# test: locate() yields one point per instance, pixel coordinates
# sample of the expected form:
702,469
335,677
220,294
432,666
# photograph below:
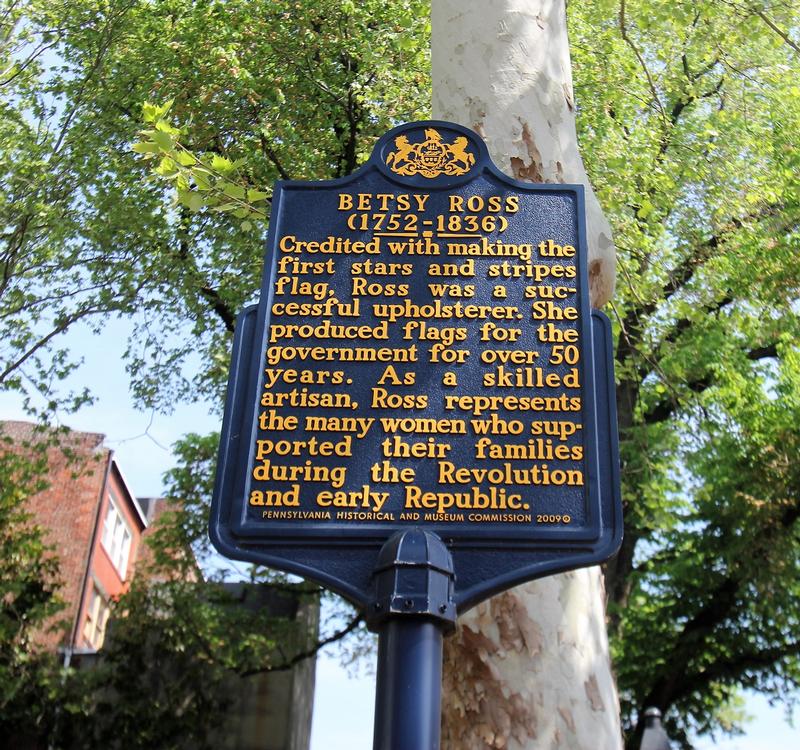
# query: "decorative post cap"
654,737
413,576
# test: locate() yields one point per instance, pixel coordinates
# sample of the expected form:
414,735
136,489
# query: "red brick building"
96,527
94,523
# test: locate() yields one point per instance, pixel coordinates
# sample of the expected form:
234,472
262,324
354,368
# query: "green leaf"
149,112
233,190
164,108
145,148
184,158
227,207
166,127
221,164
167,168
645,209
202,179
163,140
196,202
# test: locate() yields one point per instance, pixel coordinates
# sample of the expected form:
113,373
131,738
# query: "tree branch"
731,669
209,293
106,37
763,352
624,31
663,410
297,658
218,305
721,604
269,152
683,273
61,325
780,32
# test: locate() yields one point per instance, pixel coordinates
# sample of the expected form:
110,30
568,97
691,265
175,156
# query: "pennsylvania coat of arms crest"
430,158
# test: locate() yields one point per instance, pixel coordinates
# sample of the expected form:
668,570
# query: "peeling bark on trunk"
530,668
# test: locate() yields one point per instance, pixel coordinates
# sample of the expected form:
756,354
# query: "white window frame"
97,613
117,537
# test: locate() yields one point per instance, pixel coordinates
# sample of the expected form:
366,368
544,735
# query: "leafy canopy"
688,116
260,90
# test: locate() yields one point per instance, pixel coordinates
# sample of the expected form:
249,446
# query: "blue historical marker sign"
423,354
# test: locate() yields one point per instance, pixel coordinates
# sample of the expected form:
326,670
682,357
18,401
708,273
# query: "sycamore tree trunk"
529,668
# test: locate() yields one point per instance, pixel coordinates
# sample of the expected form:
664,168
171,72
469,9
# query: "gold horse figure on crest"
458,150
402,157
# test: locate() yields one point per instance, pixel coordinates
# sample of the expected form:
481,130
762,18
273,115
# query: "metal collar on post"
413,576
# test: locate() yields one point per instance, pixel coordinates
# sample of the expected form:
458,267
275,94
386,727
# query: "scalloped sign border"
439,160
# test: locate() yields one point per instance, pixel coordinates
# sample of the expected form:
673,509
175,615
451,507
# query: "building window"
116,538
94,631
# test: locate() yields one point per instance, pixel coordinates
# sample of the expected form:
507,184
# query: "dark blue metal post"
412,610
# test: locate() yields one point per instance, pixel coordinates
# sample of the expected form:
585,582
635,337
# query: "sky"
142,441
